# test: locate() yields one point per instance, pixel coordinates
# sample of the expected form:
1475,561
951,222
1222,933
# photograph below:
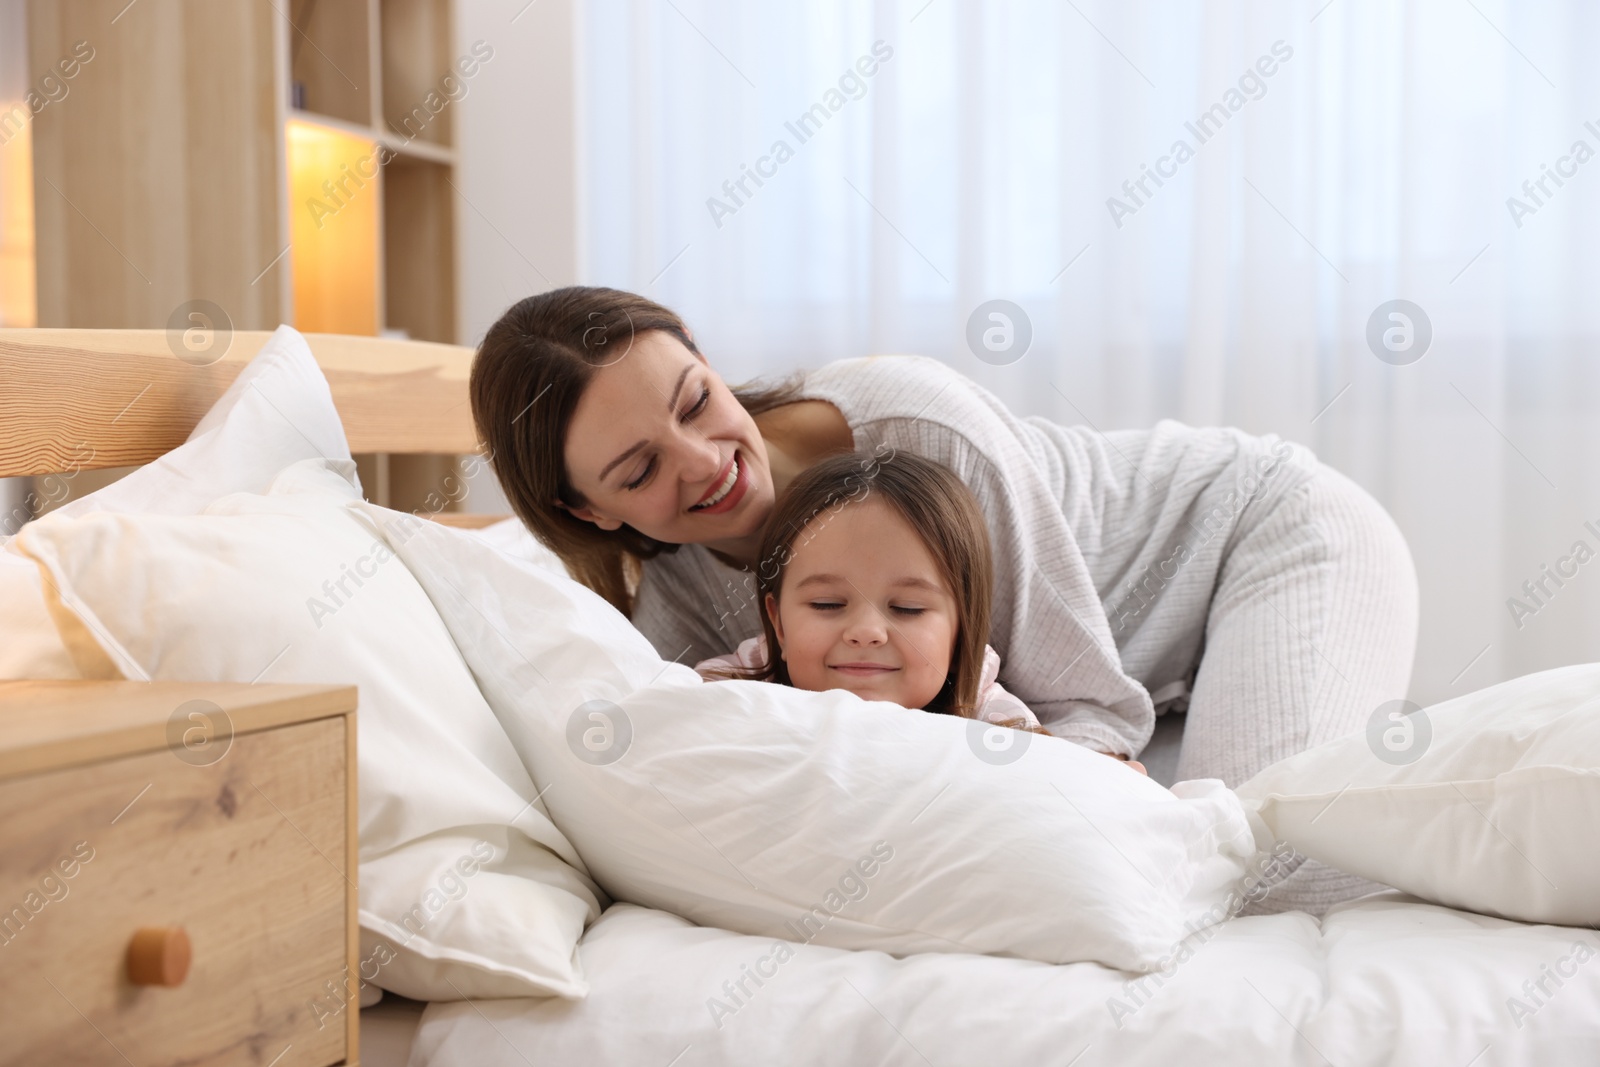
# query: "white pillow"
278,411
463,876
817,816
1496,814
511,538
29,645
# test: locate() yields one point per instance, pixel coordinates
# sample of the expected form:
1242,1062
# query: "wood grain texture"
352,901
419,249
47,726
330,48
249,855
417,54
90,399
158,177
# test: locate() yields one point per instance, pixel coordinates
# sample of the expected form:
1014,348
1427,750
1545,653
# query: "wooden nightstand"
223,816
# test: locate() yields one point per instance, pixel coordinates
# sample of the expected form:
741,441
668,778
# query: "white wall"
517,135
516,214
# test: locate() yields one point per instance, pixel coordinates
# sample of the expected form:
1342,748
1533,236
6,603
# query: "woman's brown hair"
944,514
527,377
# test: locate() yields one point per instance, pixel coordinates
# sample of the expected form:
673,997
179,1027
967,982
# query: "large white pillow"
29,644
509,537
817,816
466,887
1488,802
278,411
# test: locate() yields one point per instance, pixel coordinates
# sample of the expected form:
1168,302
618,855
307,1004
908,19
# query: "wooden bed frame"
128,397
75,400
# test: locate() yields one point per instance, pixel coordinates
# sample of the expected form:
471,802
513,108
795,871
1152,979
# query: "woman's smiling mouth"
727,492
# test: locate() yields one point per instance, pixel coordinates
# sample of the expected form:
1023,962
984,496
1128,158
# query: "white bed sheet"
1384,980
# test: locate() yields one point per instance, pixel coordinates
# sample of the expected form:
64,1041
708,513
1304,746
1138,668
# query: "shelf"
289,104
330,49
419,249
416,65
340,268
416,149
422,150
333,122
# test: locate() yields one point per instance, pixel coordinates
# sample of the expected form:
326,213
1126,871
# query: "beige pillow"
1488,802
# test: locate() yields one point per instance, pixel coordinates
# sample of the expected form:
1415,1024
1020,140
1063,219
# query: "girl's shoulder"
995,704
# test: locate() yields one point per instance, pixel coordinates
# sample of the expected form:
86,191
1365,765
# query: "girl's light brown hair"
944,514
527,377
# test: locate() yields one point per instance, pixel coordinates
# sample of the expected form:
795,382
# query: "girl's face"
659,443
863,607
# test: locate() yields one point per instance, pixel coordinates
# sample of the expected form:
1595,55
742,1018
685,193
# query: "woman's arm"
999,707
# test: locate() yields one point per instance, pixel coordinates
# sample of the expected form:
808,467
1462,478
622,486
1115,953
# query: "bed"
1388,979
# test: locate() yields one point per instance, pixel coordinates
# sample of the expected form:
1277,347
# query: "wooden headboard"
91,399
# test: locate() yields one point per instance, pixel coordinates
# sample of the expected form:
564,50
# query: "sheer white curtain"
1340,155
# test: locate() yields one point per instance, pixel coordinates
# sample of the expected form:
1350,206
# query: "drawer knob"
158,955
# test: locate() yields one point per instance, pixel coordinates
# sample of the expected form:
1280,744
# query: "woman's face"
659,443
864,607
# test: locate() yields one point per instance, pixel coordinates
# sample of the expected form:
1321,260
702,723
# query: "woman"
1119,558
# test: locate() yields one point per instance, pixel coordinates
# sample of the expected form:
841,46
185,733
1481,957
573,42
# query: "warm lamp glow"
18,305
334,202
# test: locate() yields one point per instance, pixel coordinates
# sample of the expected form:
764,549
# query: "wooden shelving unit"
379,240
364,82
289,162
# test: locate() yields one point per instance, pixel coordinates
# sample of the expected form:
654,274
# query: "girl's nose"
866,626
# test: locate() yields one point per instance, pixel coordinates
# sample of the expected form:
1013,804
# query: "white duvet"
1386,980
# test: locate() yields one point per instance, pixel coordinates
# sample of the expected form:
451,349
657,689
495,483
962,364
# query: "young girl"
876,577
